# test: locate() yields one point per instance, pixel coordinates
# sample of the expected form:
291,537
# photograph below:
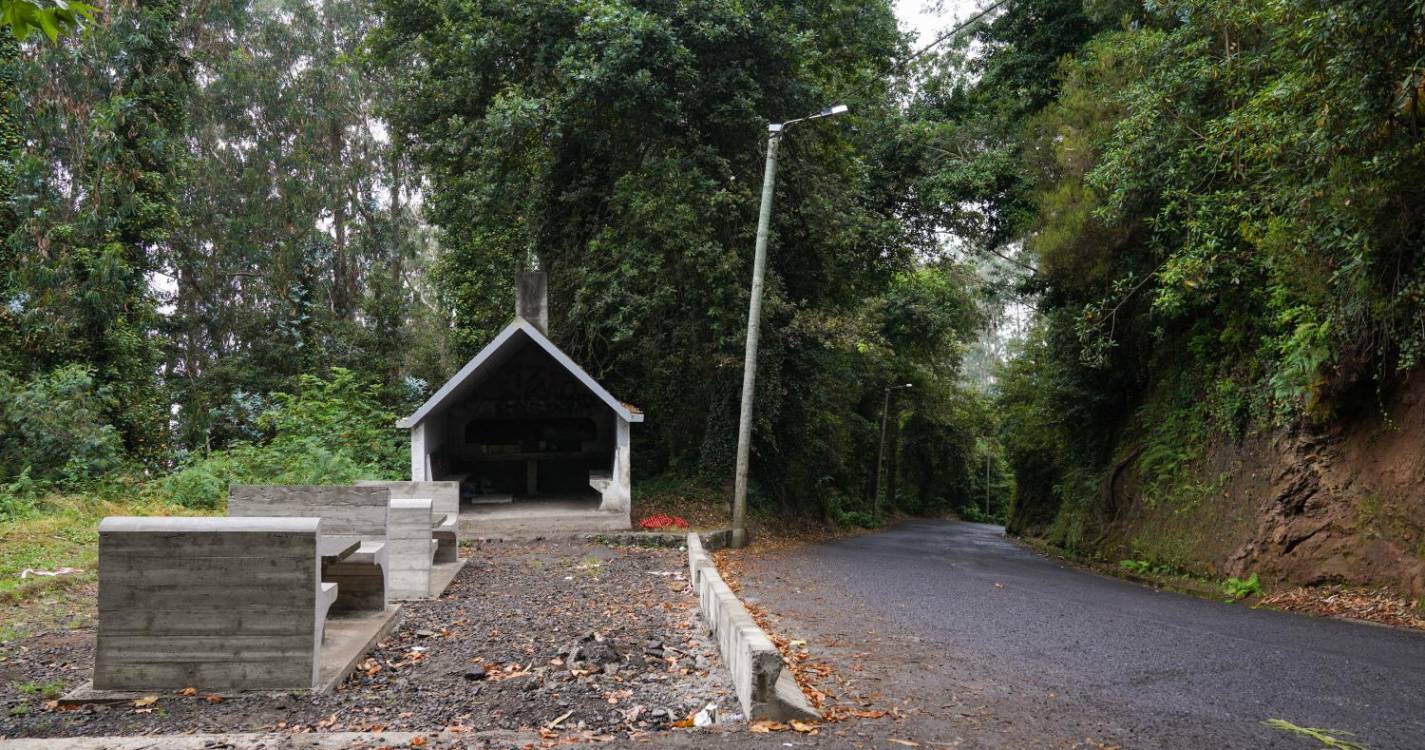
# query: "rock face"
1343,507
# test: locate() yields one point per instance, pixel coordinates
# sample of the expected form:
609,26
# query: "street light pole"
881,453
754,319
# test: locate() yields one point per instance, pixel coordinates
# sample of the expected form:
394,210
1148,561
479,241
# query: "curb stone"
765,689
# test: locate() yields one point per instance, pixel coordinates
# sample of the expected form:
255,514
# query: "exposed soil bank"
1341,507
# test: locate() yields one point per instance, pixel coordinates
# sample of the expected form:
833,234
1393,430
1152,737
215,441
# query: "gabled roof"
490,358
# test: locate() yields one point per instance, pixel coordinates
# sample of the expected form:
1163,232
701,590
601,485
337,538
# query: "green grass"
62,532
43,689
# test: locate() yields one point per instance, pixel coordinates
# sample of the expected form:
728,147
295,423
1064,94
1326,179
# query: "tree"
617,145
93,205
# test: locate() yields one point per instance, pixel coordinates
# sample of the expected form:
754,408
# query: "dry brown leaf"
213,698
418,741
188,692
803,726
147,700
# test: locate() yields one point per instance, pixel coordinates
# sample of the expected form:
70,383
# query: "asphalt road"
985,644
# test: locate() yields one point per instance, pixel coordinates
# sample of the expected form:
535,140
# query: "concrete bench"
444,498
215,603
396,549
445,508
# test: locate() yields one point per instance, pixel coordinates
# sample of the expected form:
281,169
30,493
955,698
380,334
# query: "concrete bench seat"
444,500
215,603
445,508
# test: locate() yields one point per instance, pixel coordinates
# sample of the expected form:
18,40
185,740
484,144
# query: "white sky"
927,18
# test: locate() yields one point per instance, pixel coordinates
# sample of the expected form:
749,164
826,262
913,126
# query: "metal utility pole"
881,453
754,319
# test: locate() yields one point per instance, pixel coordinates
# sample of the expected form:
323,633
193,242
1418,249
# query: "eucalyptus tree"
91,206
292,255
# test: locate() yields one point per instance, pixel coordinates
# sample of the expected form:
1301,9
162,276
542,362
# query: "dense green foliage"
327,432
52,429
1224,207
215,263
205,218
618,146
198,210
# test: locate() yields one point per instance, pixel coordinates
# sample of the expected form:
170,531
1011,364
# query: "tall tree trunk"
341,291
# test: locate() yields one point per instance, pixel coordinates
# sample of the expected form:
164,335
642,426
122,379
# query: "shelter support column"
420,471
618,494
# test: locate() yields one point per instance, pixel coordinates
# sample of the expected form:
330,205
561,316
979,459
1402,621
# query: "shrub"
328,432
203,483
52,432
857,518
17,498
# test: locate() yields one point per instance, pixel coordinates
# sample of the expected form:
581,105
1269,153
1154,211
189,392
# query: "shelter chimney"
532,299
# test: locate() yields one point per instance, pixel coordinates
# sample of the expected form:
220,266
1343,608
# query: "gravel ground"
554,640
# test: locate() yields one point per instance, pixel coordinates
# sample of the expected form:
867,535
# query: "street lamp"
754,316
881,454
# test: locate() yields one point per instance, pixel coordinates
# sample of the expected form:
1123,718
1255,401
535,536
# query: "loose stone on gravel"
565,638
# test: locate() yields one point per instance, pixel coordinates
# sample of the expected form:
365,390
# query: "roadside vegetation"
177,313
238,239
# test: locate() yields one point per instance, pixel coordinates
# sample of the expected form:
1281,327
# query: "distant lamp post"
754,316
881,454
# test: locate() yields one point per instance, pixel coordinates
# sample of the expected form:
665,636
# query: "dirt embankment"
1344,507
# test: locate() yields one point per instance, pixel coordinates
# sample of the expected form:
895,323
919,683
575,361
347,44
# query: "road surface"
985,644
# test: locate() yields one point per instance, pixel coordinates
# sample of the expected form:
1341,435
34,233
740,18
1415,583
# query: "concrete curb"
765,689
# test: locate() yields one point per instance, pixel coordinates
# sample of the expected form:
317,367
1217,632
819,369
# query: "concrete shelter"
535,442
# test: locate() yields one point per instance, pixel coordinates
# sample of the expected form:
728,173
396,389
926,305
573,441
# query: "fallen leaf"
188,691
213,698
803,727
147,700
418,741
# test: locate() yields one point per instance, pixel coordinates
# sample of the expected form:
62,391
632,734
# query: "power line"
949,34
952,33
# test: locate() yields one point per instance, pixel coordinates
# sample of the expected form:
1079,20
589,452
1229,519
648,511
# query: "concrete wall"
348,512
211,603
427,438
764,689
